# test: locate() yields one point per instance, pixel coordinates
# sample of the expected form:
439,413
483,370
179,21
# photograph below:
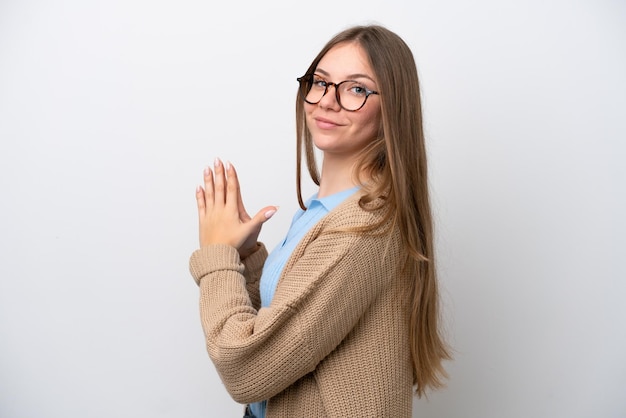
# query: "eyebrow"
350,77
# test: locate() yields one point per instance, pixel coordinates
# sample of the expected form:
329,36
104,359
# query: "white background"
110,110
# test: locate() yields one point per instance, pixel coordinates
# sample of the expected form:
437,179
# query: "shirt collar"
331,201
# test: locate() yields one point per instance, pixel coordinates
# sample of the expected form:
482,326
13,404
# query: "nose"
329,100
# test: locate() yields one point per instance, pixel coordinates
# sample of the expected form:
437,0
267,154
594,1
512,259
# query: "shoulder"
354,213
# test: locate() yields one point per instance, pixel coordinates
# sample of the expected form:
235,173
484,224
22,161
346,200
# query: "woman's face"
336,131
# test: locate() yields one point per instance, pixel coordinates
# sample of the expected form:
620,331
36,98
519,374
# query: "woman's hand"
221,214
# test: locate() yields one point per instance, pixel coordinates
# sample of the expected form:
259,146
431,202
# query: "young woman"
341,319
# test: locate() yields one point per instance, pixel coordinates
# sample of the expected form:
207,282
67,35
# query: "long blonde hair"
396,161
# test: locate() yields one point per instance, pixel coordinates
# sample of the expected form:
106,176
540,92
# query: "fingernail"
206,171
270,213
217,162
227,165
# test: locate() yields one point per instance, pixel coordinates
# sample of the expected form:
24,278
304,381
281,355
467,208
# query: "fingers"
221,189
243,214
208,194
220,186
200,200
264,214
233,195
219,183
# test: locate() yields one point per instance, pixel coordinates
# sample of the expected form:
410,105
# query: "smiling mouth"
325,123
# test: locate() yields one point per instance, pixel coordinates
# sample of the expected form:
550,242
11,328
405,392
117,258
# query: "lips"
323,123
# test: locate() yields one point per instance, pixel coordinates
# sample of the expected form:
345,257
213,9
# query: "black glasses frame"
308,78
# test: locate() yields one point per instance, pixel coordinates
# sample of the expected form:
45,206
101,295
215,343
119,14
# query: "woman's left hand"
221,214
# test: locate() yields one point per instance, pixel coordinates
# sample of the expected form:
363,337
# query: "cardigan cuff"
212,258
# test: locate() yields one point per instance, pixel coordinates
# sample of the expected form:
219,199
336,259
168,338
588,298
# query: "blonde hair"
396,164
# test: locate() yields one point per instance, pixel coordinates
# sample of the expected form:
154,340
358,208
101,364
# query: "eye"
355,89
360,90
319,82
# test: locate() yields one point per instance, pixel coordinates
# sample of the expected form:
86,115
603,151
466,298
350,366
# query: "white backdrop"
110,110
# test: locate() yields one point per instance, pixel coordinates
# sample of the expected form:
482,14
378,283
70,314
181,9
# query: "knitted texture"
333,343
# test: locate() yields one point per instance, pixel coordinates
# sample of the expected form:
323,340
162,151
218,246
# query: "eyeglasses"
351,95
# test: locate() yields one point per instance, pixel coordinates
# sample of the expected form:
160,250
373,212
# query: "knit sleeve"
326,287
205,259
253,268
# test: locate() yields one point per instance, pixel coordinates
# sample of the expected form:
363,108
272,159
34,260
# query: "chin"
322,145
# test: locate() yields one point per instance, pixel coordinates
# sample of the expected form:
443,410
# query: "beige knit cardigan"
334,341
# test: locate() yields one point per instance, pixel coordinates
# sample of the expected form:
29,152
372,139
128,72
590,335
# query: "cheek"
371,122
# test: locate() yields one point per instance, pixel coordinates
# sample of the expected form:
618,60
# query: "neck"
336,176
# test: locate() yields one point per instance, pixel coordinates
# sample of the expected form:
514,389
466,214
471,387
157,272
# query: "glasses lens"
312,88
352,95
